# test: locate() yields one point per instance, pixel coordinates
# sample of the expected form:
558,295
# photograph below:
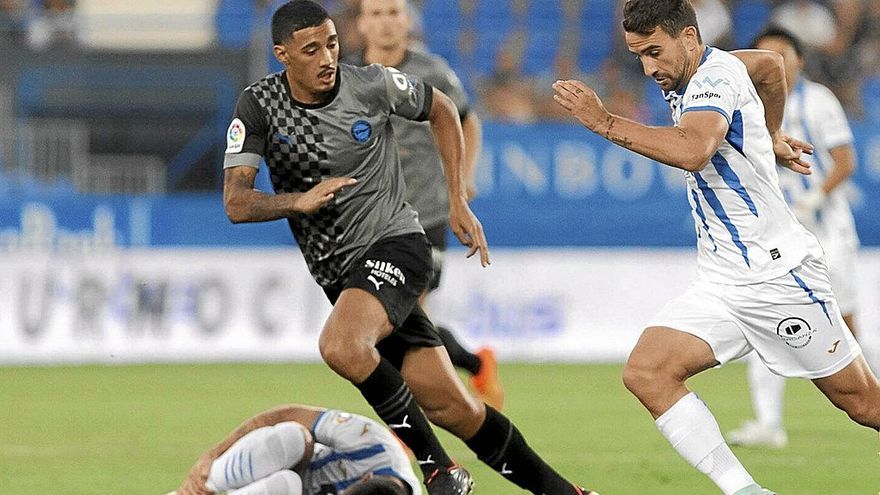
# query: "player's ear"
691,38
280,54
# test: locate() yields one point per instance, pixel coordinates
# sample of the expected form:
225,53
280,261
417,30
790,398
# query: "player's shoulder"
365,74
425,60
718,60
269,82
818,91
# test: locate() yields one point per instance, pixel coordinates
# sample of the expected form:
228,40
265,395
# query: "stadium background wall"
588,241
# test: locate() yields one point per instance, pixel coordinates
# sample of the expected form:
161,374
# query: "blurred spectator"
714,21
813,22
13,15
507,94
54,24
344,14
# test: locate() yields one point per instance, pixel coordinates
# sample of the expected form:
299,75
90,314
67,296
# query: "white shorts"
792,322
841,256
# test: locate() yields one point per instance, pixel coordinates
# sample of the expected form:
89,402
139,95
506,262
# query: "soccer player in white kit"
762,284
302,450
812,113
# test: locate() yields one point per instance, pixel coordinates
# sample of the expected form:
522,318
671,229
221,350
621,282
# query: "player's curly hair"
672,16
296,15
377,486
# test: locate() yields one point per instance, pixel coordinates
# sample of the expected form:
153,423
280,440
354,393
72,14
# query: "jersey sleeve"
346,432
712,89
451,85
831,121
408,96
246,135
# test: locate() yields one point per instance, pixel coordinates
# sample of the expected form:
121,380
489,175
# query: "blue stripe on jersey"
800,88
699,209
709,108
251,463
715,203
812,296
732,180
318,420
354,455
342,485
241,465
226,471
735,134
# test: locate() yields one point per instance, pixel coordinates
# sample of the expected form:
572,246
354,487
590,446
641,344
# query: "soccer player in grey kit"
385,26
324,131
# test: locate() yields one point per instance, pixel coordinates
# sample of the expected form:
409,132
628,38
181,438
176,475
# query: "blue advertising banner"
539,185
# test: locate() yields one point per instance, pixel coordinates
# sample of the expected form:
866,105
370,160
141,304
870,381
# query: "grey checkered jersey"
348,136
422,168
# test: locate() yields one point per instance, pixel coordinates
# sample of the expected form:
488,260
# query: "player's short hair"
773,31
672,16
296,15
377,486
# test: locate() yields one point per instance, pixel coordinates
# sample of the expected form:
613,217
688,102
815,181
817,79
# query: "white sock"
694,434
256,455
768,392
280,483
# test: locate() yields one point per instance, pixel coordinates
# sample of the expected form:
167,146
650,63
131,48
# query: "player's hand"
788,153
583,103
315,198
467,228
806,205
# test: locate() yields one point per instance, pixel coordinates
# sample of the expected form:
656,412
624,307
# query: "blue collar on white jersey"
706,53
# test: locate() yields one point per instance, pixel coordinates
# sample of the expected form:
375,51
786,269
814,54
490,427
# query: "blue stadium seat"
543,9
486,46
540,51
234,20
749,18
871,98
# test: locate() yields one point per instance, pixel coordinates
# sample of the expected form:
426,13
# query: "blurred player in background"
303,450
812,113
762,284
385,26
324,130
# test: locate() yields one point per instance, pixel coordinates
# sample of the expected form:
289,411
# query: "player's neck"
304,96
693,65
391,57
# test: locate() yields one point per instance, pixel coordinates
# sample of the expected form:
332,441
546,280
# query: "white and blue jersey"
746,232
813,114
349,446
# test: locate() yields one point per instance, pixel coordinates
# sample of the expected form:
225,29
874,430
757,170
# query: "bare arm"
689,146
243,203
844,158
767,72
473,142
450,142
305,416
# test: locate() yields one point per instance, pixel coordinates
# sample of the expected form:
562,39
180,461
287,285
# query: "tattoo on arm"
618,140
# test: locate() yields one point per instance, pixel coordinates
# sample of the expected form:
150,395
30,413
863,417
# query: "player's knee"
639,376
345,357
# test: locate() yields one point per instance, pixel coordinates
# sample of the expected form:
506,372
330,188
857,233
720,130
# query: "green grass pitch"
137,429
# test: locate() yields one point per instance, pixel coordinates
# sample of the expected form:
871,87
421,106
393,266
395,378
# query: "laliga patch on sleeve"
235,136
